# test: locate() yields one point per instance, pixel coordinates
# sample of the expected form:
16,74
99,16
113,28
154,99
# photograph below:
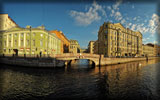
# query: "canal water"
133,81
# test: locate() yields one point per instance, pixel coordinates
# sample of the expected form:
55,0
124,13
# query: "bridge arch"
68,62
68,57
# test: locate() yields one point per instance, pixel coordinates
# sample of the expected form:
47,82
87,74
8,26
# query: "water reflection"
80,80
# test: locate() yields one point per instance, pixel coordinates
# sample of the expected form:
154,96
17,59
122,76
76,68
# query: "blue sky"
81,21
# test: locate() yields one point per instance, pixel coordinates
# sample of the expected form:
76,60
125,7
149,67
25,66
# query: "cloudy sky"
81,20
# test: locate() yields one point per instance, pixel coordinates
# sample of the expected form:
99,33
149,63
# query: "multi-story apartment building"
148,50
65,42
151,49
74,46
91,47
116,40
29,41
157,50
95,48
6,22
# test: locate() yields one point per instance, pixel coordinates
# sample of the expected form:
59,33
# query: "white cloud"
133,27
154,23
109,7
123,21
155,42
143,25
118,16
134,18
86,18
115,6
115,13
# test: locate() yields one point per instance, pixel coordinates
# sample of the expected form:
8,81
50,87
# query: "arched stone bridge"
68,57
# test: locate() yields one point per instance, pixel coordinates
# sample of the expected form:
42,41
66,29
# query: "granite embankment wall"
109,61
32,62
52,62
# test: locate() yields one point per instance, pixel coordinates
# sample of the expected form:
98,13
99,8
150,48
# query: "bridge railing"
77,54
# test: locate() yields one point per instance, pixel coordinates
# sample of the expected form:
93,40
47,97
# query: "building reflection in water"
134,79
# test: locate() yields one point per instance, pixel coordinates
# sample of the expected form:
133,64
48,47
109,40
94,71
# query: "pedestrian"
40,54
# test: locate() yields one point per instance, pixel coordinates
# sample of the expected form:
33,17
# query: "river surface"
133,81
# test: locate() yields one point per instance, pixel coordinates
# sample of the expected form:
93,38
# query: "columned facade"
29,41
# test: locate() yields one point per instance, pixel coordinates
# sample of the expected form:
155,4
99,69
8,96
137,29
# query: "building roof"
123,26
59,32
10,19
13,20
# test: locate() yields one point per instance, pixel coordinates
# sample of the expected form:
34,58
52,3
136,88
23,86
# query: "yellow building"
74,46
29,41
116,40
6,22
91,47
157,50
15,40
148,50
151,50
95,48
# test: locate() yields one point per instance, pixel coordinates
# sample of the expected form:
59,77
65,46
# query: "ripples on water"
135,80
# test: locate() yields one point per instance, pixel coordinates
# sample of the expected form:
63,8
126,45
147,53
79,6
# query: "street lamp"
99,53
47,43
30,39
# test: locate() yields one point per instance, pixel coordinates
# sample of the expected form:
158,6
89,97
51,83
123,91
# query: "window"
9,35
27,42
15,42
21,42
34,44
5,43
27,34
22,34
41,43
106,31
15,35
106,36
4,50
9,43
0,43
34,34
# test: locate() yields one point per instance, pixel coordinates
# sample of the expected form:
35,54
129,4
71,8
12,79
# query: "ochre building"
116,40
65,42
